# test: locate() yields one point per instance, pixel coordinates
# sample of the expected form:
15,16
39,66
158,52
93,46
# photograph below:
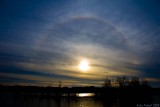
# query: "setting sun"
84,65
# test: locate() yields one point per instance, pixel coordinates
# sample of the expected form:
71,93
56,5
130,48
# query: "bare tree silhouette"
122,81
145,83
107,82
134,81
60,84
125,81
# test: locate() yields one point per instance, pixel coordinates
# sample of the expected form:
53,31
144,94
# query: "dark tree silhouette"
134,81
60,84
145,83
125,81
122,81
107,82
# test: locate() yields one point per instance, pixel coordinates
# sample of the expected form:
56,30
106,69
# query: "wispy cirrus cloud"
51,37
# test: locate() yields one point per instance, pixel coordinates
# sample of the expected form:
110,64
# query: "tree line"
125,81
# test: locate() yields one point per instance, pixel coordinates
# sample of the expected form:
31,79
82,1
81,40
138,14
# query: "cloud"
45,40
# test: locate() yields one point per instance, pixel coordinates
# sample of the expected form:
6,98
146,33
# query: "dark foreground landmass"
107,96
98,91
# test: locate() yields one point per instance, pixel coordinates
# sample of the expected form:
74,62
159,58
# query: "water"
85,94
26,101
10,100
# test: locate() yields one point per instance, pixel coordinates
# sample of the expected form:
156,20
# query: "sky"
43,41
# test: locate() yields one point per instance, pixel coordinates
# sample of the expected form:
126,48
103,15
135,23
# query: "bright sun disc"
84,65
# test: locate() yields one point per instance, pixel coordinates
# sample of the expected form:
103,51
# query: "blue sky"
43,41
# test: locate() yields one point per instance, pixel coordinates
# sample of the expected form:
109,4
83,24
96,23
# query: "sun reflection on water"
85,94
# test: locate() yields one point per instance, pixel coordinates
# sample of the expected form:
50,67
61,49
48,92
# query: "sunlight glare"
84,65
85,94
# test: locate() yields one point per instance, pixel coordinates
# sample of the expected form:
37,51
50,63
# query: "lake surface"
10,100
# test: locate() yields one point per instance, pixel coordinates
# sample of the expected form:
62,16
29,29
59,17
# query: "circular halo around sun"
84,65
